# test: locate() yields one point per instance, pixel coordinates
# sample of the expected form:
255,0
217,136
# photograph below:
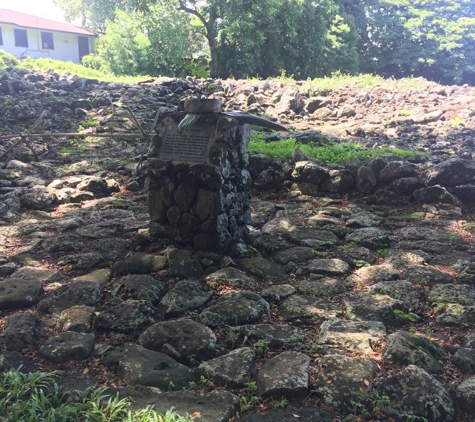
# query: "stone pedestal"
198,185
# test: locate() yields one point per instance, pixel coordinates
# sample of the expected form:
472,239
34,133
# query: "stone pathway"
334,304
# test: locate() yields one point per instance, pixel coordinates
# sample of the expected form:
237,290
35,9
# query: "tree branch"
193,12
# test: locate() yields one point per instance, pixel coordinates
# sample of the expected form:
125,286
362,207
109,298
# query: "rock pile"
352,292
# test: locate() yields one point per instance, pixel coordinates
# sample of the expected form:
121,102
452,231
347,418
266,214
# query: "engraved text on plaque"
193,145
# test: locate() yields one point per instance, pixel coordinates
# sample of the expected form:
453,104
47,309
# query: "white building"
26,35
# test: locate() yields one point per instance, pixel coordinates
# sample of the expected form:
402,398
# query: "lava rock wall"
203,205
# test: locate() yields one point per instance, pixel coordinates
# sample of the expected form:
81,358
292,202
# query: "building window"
1,37
21,37
47,40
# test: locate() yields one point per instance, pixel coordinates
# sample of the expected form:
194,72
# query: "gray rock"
140,263
396,170
466,395
470,341
186,295
406,185
324,287
278,292
375,307
37,274
334,267
231,277
139,366
450,293
84,261
18,293
183,264
454,261
360,220
71,294
62,243
401,259
235,308
295,254
359,256
269,178
100,230
112,249
407,349
307,308
341,377
414,392
140,287
217,406
39,198
127,317
188,338
304,414
77,318
435,195
450,173
350,335
373,274
70,383
68,346
426,275
365,180
15,361
284,375
22,330
275,336
434,235
264,269
101,277
232,369
338,181
369,237
464,360
7,269
399,289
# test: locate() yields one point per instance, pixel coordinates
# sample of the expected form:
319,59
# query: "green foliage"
332,153
429,38
262,347
410,317
36,397
137,43
6,60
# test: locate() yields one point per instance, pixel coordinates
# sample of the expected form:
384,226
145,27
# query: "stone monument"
198,186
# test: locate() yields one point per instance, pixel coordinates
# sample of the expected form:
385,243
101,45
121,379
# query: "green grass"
332,153
61,67
35,397
338,81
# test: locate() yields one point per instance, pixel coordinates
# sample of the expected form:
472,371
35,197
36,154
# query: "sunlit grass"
331,153
36,397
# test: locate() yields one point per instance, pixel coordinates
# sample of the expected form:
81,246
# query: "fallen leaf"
86,370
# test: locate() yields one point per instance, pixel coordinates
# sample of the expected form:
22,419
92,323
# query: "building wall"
65,44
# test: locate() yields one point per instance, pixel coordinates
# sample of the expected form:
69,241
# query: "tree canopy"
303,38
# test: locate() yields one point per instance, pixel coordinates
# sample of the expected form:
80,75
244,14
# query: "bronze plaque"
193,145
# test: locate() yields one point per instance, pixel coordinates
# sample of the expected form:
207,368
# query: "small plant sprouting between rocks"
262,347
411,316
36,397
249,396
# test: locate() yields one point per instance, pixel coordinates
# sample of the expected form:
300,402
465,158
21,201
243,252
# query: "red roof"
35,22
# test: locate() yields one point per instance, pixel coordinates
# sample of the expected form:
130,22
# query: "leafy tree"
94,13
149,43
430,38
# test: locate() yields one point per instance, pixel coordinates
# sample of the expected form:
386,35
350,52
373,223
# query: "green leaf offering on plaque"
187,121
